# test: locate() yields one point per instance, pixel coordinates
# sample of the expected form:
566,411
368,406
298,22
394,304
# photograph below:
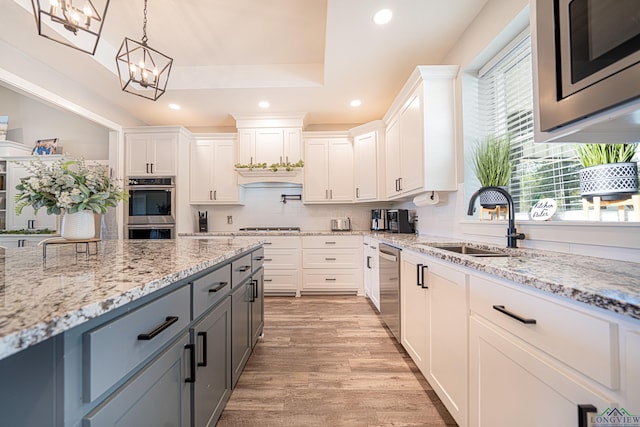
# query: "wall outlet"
229,219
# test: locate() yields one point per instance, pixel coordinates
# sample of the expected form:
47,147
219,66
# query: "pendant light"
77,24
142,70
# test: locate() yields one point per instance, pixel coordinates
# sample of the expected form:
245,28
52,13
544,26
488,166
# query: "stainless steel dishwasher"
389,258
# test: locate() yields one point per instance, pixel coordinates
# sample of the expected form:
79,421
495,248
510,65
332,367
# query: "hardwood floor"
329,361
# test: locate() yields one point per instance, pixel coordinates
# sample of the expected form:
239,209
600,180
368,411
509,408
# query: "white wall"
30,120
263,208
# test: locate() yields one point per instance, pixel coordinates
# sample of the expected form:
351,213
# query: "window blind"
505,106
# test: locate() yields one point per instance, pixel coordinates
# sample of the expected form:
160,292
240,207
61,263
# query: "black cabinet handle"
244,268
220,286
255,290
204,348
330,279
151,167
330,259
583,414
147,167
192,363
519,318
418,278
329,243
268,259
424,283
259,258
252,284
268,280
170,320
368,261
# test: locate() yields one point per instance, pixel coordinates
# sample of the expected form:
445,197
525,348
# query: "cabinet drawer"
280,259
281,242
332,281
113,350
338,258
584,341
280,281
209,289
331,242
240,270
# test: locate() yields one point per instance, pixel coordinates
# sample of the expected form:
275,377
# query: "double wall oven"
150,211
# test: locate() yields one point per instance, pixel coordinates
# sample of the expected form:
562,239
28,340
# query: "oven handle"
150,187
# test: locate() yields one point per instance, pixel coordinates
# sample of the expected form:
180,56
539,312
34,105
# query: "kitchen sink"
471,251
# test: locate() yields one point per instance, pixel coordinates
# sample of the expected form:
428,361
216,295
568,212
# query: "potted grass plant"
608,170
492,166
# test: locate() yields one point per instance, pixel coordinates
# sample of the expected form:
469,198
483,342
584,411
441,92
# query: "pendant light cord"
144,25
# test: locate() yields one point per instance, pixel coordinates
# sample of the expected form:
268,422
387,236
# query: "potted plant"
70,188
607,170
492,166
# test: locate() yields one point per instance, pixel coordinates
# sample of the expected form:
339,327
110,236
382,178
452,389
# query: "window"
504,105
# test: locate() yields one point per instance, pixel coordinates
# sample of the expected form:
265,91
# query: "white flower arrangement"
68,185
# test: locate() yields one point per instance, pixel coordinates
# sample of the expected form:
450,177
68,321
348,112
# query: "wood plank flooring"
329,361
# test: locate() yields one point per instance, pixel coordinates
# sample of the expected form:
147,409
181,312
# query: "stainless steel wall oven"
150,211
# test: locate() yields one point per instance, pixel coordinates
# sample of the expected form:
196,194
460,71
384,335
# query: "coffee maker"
203,224
398,221
379,219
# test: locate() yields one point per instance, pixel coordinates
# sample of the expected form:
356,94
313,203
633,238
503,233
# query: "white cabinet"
535,359
282,265
212,177
151,154
371,271
332,264
27,219
434,327
420,137
328,175
365,166
269,145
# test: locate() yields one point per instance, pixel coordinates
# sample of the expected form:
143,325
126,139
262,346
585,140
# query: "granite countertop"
604,283
41,298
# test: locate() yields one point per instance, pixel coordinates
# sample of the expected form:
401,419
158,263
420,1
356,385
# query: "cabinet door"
157,396
225,181
164,154
292,145
316,169
138,155
448,313
414,309
340,171
200,171
269,146
241,297
412,146
246,146
511,384
212,387
365,167
257,306
375,274
392,159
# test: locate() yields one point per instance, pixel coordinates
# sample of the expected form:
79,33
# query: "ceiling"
302,56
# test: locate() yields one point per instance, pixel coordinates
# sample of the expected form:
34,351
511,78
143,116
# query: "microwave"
587,63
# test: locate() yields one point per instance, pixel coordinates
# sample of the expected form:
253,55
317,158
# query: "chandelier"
76,25
143,71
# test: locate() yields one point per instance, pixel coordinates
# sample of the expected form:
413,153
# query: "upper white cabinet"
368,162
269,139
151,154
420,136
212,178
328,171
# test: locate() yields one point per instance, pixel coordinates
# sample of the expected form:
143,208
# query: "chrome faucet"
512,234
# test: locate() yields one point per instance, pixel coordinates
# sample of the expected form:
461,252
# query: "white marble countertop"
604,283
40,299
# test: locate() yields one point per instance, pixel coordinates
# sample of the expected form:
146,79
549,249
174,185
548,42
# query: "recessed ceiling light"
263,104
174,106
356,103
382,16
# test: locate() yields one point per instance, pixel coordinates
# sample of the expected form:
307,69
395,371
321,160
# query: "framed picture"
45,147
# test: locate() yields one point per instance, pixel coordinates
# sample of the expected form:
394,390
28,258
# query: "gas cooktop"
270,229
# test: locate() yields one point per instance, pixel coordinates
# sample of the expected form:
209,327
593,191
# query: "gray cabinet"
241,297
156,396
212,386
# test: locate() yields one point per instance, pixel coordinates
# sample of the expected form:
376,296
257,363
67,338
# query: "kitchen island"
66,322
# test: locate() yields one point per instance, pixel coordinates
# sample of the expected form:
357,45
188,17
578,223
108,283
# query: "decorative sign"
543,209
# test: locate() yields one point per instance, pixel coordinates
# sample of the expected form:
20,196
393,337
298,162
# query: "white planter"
612,181
78,226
